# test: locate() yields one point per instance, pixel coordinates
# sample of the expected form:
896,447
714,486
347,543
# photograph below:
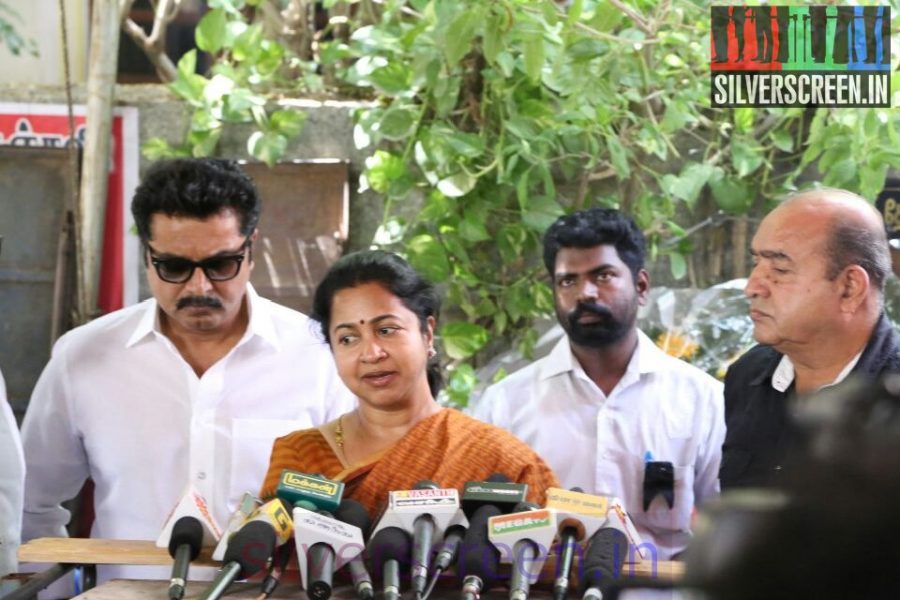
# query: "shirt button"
201,475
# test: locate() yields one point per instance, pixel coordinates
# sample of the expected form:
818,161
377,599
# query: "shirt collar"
260,323
647,358
783,376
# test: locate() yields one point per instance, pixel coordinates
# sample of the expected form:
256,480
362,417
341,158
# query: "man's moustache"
596,309
199,301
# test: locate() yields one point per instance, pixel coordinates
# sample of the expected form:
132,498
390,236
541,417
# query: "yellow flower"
677,345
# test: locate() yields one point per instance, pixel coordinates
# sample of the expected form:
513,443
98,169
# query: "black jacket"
759,434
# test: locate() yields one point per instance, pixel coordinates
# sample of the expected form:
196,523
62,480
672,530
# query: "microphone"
246,507
250,549
603,561
295,487
191,504
571,530
479,560
247,552
425,512
529,531
498,491
354,513
423,536
362,581
184,546
322,542
390,548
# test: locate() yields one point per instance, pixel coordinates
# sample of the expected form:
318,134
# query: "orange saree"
449,448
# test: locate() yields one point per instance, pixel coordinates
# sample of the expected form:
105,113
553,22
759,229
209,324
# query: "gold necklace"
339,433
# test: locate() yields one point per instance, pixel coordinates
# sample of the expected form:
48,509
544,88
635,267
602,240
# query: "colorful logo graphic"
800,56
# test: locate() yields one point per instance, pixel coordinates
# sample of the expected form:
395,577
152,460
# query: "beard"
606,331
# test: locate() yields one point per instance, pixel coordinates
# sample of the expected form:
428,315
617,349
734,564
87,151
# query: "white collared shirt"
661,406
12,476
784,373
118,403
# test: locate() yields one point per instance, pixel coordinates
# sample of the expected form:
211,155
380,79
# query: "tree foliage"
495,117
10,37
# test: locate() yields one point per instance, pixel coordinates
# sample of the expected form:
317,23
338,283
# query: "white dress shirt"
118,403
12,477
662,407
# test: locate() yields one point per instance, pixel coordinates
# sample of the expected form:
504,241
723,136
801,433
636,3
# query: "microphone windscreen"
477,555
525,506
499,478
604,557
390,543
353,513
426,484
187,530
251,547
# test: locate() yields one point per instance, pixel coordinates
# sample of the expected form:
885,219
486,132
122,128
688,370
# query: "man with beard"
608,410
190,387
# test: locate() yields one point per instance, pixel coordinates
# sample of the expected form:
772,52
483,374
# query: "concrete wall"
328,133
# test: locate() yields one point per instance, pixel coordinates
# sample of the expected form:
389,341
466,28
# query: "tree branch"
154,45
634,16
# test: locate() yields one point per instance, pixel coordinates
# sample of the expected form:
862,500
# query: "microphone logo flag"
192,504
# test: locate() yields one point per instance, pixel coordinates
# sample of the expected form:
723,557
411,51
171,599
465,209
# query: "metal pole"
103,61
38,582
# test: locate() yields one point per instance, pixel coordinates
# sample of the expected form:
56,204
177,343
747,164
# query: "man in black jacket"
816,302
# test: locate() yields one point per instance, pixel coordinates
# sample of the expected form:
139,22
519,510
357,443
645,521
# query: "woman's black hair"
395,275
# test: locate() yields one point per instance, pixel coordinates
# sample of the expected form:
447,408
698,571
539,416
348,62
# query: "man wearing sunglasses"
188,388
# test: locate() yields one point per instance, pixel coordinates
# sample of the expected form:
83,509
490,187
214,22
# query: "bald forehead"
827,206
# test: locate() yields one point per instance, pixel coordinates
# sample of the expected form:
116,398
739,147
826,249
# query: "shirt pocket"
251,448
623,474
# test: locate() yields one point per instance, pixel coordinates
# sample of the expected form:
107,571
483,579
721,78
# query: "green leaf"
732,195
743,119
429,258
842,172
511,242
458,184
460,33
472,229
268,147
618,156
188,84
492,40
783,140
210,32
689,184
574,13
157,148
288,123
461,382
398,123
203,143
187,64
238,104
745,158
677,265
533,54
394,79
462,340
541,213
469,145
248,44
382,168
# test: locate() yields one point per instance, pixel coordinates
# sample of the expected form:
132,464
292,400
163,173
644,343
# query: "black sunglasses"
216,268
